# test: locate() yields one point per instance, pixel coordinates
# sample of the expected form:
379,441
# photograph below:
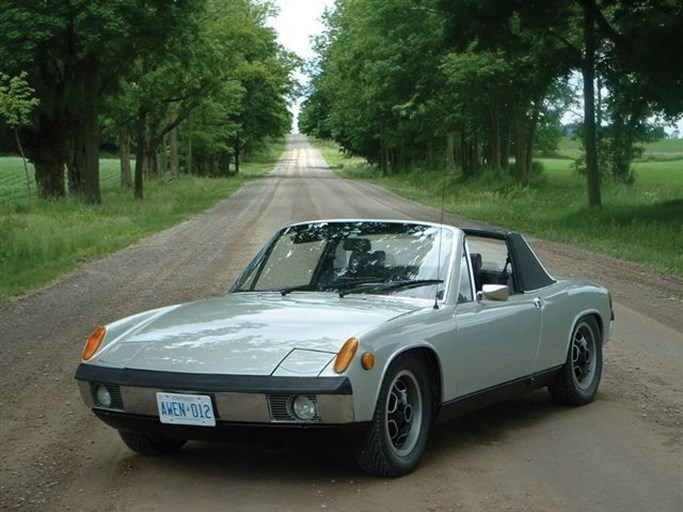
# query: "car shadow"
493,424
334,460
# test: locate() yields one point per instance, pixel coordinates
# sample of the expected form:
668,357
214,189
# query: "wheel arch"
427,354
600,323
593,314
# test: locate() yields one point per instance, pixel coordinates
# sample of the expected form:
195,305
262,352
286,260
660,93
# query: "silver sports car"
371,328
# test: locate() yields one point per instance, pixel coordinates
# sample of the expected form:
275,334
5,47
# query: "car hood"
250,334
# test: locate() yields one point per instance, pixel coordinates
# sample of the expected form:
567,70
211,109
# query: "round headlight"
103,396
304,408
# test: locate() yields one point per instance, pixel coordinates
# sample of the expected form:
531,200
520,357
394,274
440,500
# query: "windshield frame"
329,230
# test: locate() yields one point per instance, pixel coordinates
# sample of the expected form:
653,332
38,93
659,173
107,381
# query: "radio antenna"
438,257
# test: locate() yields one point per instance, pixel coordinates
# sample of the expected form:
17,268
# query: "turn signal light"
94,342
345,355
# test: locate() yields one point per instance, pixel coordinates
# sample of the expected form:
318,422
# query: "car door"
496,341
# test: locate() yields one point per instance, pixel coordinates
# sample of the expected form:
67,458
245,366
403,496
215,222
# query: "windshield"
353,257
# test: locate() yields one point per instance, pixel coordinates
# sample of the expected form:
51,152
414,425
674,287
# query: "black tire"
397,435
578,382
147,444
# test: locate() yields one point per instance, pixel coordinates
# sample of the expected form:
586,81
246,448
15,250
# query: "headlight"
304,408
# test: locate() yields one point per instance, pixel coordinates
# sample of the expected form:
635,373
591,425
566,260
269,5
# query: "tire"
397,435
147,444
578,382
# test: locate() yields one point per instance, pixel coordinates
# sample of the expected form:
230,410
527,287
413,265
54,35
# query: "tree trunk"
23,159
175,167
505,147
162,158
589,127
224,163
189,163
140,155
464,162
494,141
50,178
450,152
531,138
75,163
124,153
238,152
519,123
91,133
151,162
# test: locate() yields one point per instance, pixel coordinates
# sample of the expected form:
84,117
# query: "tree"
393,77
522,62
147,65
374,76
16,105
72,50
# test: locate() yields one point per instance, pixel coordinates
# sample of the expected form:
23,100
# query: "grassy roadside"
40,240
641,222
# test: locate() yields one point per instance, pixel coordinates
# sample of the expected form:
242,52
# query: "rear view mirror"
499,292
357,244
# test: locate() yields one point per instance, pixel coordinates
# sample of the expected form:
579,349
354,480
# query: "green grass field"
661,150
42,239
642,222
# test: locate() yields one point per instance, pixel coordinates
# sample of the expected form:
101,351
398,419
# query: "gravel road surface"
621,453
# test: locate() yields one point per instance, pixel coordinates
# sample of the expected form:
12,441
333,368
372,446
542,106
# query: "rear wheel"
397,435
578,382
147,444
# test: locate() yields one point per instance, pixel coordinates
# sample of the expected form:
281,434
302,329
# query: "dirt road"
621,453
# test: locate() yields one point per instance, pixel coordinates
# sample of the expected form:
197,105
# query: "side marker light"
367,361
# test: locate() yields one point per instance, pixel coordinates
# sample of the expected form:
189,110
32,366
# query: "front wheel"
397,434
578,382
147,444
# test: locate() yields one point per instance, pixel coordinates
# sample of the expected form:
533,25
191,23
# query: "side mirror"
498,292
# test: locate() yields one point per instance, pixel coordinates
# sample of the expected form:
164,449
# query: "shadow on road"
335,460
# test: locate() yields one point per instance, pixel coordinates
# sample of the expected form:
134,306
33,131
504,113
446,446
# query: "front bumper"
236,399
236,432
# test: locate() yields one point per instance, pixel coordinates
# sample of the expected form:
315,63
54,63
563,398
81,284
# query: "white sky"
297,22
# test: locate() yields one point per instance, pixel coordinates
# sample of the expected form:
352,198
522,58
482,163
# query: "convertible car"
371,328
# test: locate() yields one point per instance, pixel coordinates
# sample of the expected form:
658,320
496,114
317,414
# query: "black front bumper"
284,433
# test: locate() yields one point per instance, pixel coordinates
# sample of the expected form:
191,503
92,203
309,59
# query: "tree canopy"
206,74
403,82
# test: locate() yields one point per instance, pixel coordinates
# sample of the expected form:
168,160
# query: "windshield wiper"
341,284
390,285
301,287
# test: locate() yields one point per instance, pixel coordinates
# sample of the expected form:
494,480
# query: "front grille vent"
280,407
114,391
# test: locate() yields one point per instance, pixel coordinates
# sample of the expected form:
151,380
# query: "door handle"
537,303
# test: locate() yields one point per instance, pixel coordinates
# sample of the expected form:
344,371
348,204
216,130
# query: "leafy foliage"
16,100
408,83
142,69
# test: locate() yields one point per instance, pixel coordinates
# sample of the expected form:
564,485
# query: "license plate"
179,409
